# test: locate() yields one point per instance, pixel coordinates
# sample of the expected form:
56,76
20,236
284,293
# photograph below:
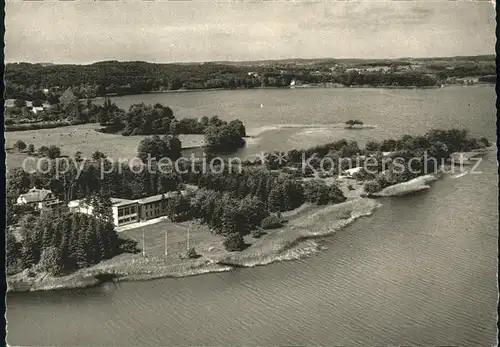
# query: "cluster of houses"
66,98
124,211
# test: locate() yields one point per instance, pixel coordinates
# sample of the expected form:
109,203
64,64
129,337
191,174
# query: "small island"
354,124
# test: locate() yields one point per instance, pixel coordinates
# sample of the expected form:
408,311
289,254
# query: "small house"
38,198
350,172
37,110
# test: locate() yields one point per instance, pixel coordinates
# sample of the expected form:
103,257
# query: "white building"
131,211
37,198
44,201
37,109
124,211
351,172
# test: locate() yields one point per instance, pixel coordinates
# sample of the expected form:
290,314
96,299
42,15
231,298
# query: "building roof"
122,202
118,202
36,195
9,102
353,170
191,187
74,203
156,198
151,199
114,201
56,203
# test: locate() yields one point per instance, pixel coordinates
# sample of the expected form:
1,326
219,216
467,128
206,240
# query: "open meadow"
307,221
83,138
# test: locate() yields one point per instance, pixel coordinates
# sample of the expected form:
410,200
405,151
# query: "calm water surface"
299,118
420,271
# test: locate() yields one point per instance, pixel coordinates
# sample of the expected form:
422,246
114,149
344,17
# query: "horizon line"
253,61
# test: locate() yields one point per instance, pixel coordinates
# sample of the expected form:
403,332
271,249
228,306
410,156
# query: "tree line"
41,82
63,244
142,119
423,154
236,203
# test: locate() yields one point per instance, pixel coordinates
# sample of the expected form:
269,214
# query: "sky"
84,32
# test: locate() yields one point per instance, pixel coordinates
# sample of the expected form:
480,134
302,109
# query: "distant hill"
296,61
27,81
355,61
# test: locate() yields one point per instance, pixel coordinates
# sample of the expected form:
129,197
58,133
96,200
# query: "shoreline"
297,239
304,86
54,125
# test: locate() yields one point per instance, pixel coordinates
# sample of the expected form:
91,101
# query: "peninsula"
270,211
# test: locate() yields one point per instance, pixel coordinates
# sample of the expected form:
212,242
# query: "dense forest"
45,82
63,244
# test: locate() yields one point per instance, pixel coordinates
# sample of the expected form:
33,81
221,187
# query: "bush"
98,155
234,242
484,141
372,146
256,234
363,175
316,191
128,246
350,187
352,122
271,222
191,253
20,145
19,103
37,103
372,187
336,195
54,152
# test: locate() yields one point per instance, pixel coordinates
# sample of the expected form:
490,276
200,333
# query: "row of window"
152,205
126,220
131,210
126,211
153,213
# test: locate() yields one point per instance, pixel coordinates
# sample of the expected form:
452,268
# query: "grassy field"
200,238
294,240
290,242
82,138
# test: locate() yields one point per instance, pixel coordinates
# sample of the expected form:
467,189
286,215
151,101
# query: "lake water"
299,118
420,271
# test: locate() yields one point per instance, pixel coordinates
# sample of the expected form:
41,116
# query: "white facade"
36,197
37,109
125,213
79,206
131,211
352,171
